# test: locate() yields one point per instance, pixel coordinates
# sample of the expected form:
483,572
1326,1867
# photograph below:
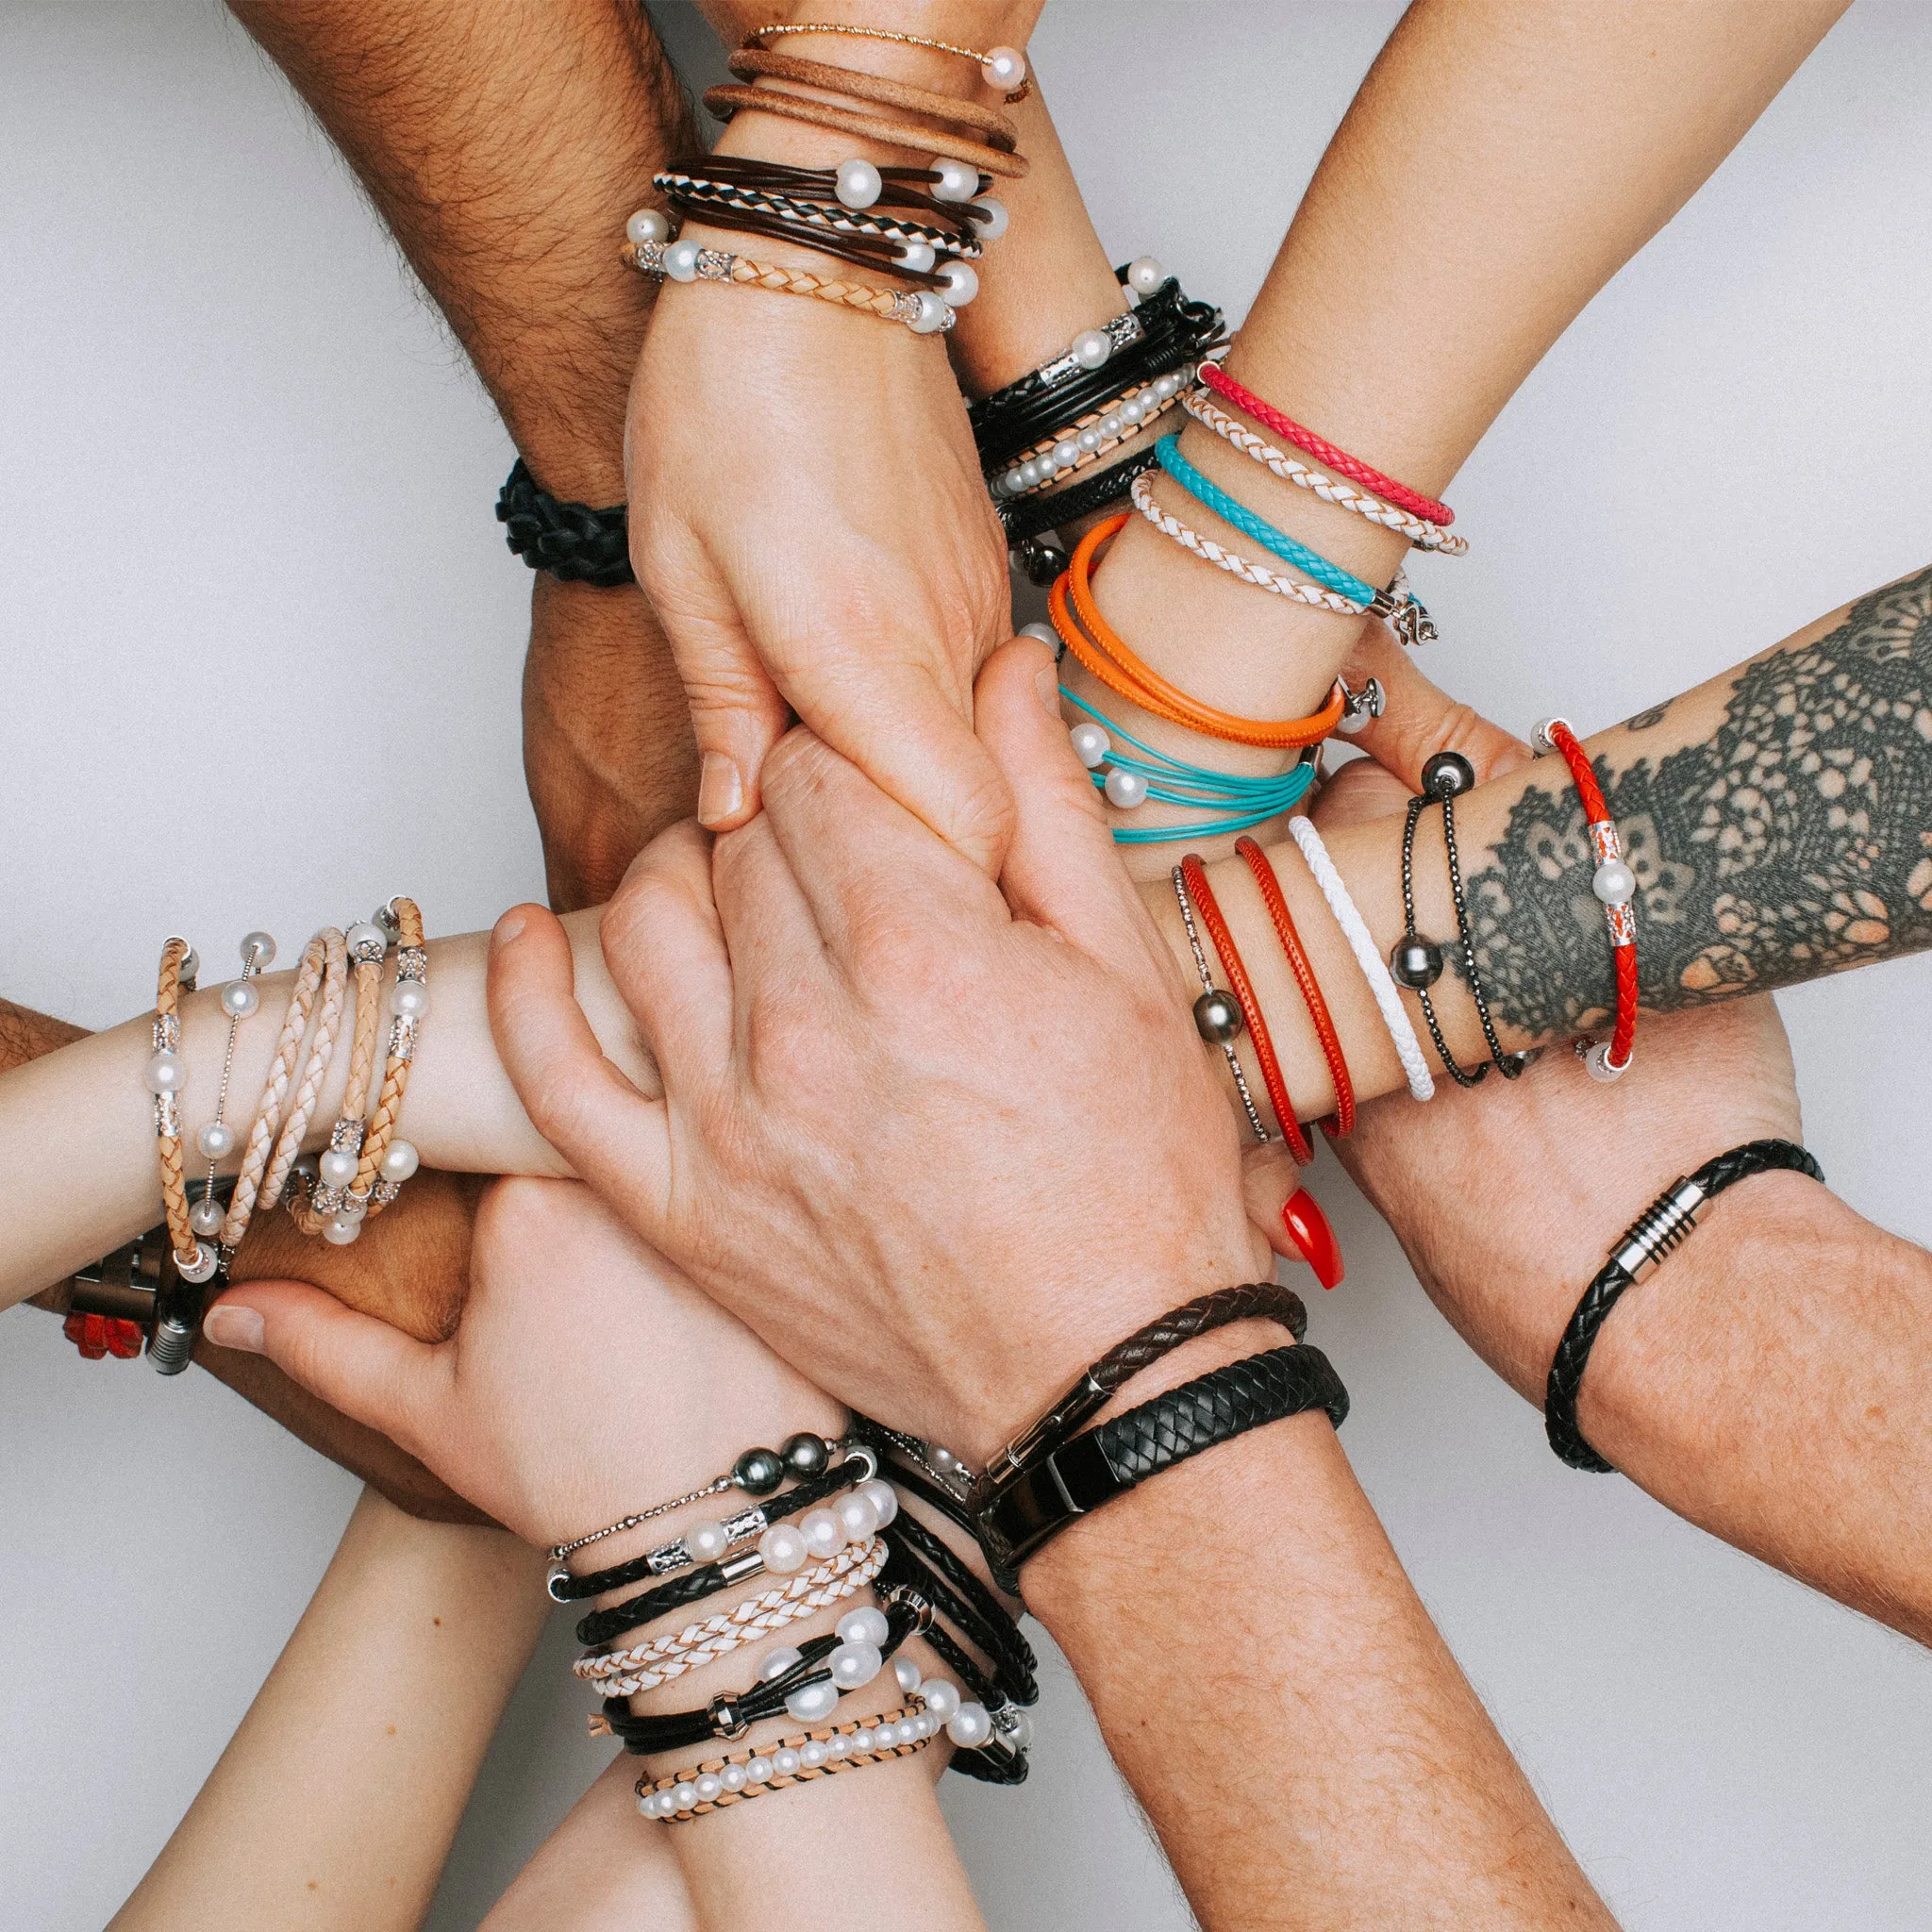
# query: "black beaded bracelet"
570,541
1662,1226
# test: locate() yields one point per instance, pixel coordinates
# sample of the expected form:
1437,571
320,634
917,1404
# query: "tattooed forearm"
1796,842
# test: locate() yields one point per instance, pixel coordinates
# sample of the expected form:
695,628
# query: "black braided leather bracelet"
1662,1226
1108,1461
570,541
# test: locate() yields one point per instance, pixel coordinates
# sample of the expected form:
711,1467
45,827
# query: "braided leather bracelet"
573,542
1665,1225
1081,1476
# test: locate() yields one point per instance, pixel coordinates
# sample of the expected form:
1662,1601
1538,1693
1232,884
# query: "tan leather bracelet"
165,1075
726,101
748,63
412,970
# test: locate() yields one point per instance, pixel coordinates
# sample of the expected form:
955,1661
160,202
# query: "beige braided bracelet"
1425,535
313,1208
320,1051
386,1162
274,1093
165,1075
923,311
625,1673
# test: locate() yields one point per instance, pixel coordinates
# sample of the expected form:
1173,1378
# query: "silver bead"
165,1073
206,1215
1145,274
240,999
1004,68
1415,962
1091,744
1539,738
202,1267
258,950
1596,1063
916,256
681,262
858,184
1614,883
933,315
216,1140
399,1161
1126,789
1091,347
957,181
647,225
190,969
959,283
991,230
1218,1017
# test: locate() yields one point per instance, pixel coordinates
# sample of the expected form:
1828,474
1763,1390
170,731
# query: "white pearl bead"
1111,425
907,1672
758,1770
884,1498
1132,410
1047,635
812,1754
856,1516
258,950
681,262
706,1541
934,314
683,1796
732,1777
1596,1063
858,184
1065,454
368,936
216,1140
410,999
917,255
1144,275
399,1161
823,1535
774,1663
708,1787
1614,883
911,1730
866,1625
785,1763
647,1804
340,1232
1004,68
206,1216
865,1741
1028,474
959,283
647,225
1350,723
941,1697
1091,744
1089,440
1126,789
812,1703
969,1726
165,1073
854,1664
240,999
838,1745
1091,347
991,230
783,1549
957,182
338,1167
202,1266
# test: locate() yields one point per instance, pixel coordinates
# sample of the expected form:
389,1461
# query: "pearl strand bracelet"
1081,443
216,1140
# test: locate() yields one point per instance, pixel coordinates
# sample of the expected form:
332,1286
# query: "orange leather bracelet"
1202,893
1096,644
1342,1120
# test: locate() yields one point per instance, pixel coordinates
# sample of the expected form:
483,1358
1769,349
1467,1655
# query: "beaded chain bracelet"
335,1172
1615,885
1128,782
1415,963
1003,68
1219,1017
240,998
1447,775
922,311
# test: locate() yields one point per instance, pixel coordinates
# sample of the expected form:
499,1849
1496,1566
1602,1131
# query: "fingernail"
232,1327
1046,681
720,790
509,927
1307,1228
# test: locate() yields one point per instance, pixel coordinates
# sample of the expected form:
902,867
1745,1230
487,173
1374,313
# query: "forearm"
1315,1759
337,1799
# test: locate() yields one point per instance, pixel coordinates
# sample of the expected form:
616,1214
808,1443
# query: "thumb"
1420,719
374,1374
736,716
1061,869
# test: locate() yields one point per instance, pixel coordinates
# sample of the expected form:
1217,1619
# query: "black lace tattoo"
1796,842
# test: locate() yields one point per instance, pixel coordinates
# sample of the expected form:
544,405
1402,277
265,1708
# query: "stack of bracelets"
850,1535
919,225
361,1174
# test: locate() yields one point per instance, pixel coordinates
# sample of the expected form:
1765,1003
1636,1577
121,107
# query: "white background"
261,644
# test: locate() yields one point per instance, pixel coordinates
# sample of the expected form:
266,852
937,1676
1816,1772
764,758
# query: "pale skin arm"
336,1801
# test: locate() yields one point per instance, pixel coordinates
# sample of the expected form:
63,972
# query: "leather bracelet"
1662,1226
573,542
728,102
750,63
1080,1477
1027,521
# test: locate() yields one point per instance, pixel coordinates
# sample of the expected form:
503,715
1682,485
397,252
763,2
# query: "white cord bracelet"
1355,929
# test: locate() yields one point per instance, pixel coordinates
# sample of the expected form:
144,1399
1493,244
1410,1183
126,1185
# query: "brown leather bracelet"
748,63
724,102
862,251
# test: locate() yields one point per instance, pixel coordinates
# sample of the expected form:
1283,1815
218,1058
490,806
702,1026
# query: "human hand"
582,1377
967,1142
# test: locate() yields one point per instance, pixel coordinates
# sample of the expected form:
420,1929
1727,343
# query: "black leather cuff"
570,541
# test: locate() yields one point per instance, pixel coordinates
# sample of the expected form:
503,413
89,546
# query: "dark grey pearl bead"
759,1472
1415,962
1218,1017
1448,774
806,1455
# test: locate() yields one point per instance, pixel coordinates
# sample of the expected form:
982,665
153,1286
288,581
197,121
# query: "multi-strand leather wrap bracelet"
1050,1475
1664,1225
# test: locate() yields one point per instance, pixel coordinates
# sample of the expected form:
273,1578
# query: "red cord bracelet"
1195,874
1343,1121
1613,883
1324,452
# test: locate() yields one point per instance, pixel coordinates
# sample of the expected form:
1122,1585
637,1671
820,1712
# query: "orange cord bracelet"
1096,644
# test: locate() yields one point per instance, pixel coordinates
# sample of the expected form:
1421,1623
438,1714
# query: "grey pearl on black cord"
1415,962
806,1455
759,1472
1218,1017
1448,774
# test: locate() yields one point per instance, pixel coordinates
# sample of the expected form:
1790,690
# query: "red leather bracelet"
1324,452
1613,883
1195,874
1343,1121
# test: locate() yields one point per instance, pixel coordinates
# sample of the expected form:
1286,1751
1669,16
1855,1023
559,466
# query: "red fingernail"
1308,1228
